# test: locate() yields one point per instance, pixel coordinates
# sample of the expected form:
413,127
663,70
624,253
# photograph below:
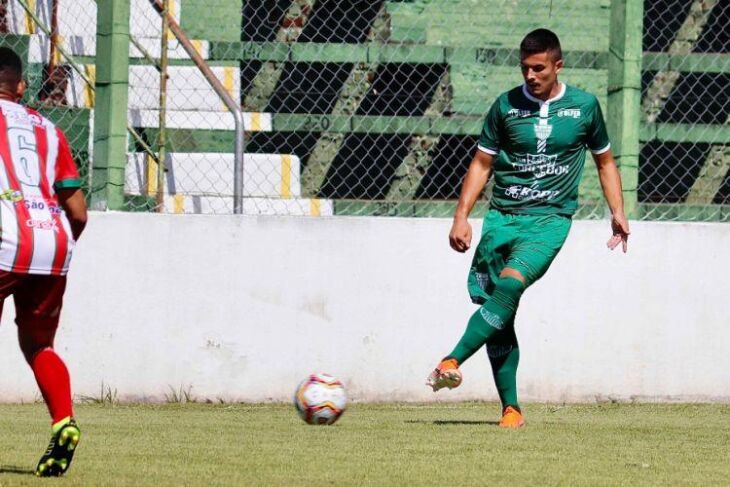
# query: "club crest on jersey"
542,132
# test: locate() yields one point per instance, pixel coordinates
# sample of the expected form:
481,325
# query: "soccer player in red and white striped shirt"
42,214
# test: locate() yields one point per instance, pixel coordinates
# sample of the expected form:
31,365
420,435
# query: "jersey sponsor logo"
516,112
523,193
11,195
21,117
540,165
569,112
35,203
42,224
35,119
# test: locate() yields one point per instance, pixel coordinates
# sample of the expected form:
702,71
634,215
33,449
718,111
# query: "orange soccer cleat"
447,374
512,418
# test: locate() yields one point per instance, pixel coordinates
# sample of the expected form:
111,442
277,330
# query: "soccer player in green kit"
534,142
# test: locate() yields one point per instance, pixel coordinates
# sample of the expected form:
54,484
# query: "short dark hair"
11,67
541,40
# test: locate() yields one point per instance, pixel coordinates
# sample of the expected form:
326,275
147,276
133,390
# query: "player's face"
540,72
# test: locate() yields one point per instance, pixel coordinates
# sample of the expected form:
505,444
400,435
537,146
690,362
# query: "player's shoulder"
511,94
38,119
511,100
580,97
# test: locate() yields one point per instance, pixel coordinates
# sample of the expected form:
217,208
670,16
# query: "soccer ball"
320,399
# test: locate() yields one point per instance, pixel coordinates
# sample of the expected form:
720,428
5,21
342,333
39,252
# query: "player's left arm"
68,187
611,183
597,141
73,202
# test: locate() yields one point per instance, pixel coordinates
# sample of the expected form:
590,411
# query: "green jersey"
540,149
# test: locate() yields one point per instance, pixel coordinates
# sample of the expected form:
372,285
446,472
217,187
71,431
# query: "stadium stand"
199,164
364,104
370,166
671,170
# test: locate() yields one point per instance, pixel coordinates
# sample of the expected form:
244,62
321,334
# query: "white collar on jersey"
527,94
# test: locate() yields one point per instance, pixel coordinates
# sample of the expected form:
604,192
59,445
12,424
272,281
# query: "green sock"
504,355
493,316
476,335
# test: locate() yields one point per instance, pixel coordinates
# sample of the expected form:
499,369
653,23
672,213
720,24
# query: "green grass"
440,444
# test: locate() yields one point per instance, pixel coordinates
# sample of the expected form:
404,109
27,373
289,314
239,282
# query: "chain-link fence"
383,101
176,111
685,158
372,107
47,37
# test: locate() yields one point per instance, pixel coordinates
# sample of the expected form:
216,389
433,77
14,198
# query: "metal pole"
230,103
161,134
53,39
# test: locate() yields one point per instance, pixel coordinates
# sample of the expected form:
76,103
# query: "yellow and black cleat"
60,452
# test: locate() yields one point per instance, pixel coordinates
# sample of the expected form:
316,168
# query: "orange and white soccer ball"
320,399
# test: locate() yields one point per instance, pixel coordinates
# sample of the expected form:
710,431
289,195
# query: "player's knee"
509,289
30,350
501,307
33,339
513,273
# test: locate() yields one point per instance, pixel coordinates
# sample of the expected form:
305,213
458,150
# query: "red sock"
52,377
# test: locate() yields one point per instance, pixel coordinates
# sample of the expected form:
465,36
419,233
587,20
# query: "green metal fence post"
110,112
624,93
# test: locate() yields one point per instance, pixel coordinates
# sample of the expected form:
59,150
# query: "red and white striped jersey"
35,235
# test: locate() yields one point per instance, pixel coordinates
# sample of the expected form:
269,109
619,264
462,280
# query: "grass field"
442,444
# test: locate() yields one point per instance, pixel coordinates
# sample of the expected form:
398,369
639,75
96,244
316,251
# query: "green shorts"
526,243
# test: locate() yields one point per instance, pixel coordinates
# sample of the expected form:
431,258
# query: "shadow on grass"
455,421
16,470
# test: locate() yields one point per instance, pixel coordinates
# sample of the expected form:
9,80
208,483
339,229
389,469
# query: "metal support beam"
161,133
110,113
228,100
624,93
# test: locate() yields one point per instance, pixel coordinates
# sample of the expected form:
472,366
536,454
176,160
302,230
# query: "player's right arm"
476,178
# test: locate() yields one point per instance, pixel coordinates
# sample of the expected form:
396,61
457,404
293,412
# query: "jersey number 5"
24,150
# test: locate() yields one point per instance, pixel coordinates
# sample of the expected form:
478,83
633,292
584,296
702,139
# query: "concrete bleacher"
209,173
500,24
196,180
476,87
77,18
428,40
202,183
462,29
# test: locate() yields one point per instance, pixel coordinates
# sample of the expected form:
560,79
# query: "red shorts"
38,299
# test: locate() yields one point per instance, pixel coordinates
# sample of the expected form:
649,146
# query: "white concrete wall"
243,308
